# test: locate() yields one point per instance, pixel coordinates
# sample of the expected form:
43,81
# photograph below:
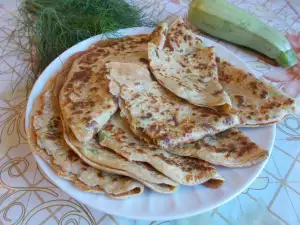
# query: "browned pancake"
256,102
168,120
231,148
193,77
158,36
181,40
116,135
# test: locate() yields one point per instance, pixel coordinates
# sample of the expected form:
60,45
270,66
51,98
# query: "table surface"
28,197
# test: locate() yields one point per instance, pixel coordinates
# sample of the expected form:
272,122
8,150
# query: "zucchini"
226,21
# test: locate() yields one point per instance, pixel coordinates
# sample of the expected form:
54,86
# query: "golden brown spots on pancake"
82,76
55,122
216,119
81,105
240,100
100,174
186,129
94,89
201,66
263,94
186,164
210,54
206,115
289,102
253,85
83,168
92,57
77,112
153,127
218,92
100,51
185,37
168,45
224,77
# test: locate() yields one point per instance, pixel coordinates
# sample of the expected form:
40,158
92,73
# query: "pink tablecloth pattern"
27,197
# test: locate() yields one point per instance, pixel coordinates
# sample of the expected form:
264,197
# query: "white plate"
187,201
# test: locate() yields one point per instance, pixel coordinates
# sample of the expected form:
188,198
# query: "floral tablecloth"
28,197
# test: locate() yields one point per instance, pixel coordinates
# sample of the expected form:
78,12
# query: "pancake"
193,77
215,182
101,158
181,40
231,148
256,102
46,139
116,135
120,74
168,120
158,36
85,101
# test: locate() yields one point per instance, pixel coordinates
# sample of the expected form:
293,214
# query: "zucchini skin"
226,21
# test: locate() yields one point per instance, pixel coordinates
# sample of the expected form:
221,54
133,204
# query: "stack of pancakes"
156,110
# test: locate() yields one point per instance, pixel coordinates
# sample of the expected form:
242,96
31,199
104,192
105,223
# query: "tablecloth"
28,197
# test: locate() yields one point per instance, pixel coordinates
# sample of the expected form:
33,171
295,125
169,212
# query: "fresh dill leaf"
56,25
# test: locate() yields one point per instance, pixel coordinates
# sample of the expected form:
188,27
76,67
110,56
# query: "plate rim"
88,42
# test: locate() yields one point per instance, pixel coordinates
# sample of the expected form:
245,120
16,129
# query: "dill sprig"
55,25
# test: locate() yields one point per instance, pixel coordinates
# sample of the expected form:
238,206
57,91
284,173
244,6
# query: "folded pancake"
122,74
85,101
193,77
230,148
215,182
181,40
256,102
166,119
116,135
102,158
45,135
